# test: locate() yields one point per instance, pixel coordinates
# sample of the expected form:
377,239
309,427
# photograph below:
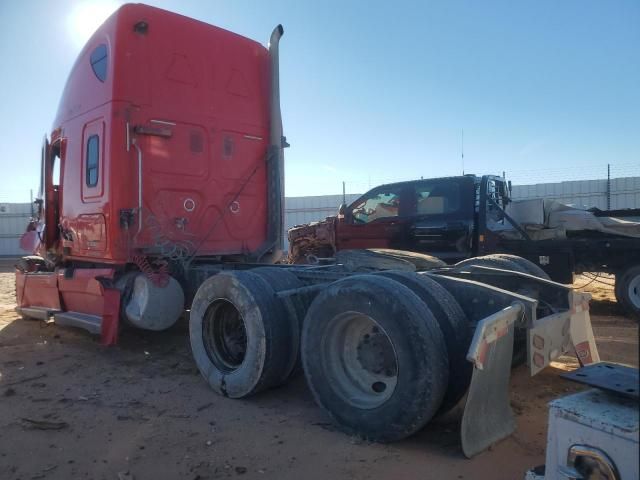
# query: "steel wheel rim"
359,357
634,291
224,335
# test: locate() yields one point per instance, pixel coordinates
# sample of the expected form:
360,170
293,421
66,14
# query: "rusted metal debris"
315,238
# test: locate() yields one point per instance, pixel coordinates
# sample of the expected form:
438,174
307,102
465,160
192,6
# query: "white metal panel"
625,192
597,419
14,218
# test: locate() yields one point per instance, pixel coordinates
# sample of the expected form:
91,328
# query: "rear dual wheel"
506,262
242,337
454,326
295,306
374,353
515,264
374,357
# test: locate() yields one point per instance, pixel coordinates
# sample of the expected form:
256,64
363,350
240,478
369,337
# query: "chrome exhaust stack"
276,137
272,249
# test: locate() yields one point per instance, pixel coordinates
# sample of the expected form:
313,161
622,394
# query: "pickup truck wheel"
374,357
240,334
527,266
627,291
454,325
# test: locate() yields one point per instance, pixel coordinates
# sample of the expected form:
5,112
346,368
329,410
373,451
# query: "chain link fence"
605,186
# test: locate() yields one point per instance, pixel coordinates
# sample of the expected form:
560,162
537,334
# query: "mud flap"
110,311
487,416
581,331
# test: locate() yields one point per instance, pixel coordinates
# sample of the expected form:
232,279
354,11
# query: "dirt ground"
70,408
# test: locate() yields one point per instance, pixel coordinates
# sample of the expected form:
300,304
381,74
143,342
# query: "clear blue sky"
380,91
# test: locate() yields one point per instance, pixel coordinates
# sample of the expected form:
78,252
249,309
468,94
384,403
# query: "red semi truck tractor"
162,193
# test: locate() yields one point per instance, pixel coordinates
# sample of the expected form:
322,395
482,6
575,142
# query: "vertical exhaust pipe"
276,115
275,159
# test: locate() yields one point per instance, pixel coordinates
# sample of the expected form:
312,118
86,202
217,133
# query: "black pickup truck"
456,218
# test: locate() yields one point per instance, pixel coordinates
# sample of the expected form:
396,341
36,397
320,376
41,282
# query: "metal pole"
462,150
344,193
608,186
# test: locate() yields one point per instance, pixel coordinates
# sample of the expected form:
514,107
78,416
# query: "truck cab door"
442,225
373,221
492,199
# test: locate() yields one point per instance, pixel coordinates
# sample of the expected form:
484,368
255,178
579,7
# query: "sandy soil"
141,411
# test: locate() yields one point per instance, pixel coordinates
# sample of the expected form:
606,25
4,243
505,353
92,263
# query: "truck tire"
493,261
240,334
362,260
505,263
281,279
421,261
627,291
526,265
454,325
374,357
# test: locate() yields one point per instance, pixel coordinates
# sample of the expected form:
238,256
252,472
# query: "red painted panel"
37,290
380,233
89,232
209,89
82,292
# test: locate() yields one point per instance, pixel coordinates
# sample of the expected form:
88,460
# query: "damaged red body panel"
165,153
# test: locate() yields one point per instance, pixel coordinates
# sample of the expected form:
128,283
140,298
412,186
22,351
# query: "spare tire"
455,328
374,357
240,334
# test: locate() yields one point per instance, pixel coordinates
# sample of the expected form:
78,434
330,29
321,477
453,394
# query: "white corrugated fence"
14,218
623,193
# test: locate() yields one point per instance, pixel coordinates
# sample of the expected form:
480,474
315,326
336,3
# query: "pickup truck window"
437,198
379,204
495,218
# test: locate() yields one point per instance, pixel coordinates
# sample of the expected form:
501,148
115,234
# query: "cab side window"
437,198
494,213
378,204
99,60
93,160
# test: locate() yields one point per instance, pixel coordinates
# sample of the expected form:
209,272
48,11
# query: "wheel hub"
375,353
225,336
359,355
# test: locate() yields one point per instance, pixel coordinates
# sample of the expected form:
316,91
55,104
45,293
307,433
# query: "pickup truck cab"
456,218
437,216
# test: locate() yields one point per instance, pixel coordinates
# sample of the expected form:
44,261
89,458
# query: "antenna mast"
462,150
